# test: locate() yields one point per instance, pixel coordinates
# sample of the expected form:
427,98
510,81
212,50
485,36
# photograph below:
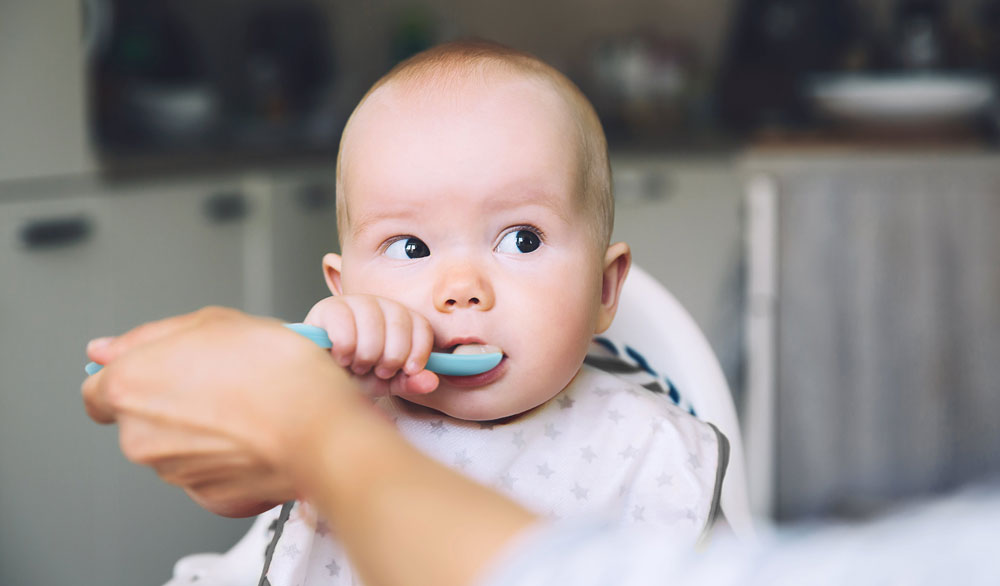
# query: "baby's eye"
519,241
406,248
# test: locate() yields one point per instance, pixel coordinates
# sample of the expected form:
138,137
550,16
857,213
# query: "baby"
475,214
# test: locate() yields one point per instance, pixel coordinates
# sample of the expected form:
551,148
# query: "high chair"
664,338
657,333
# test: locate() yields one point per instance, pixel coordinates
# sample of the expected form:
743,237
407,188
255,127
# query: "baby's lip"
448,344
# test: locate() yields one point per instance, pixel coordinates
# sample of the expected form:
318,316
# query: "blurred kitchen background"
818,182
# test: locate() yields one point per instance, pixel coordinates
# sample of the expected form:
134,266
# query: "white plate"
913,99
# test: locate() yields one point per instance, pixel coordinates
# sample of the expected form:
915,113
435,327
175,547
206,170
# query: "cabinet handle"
227,207
55,232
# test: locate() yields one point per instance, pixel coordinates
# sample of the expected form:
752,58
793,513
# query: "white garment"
946,541
603,446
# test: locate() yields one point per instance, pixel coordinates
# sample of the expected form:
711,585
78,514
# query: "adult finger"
230,497
216,471
95,400
99,391
104,350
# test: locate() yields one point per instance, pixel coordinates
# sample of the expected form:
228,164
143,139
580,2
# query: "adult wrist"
334,450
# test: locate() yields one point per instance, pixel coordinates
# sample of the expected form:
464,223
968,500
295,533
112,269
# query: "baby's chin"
469,407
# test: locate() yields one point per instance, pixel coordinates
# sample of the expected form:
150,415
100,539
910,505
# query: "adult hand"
243,413
219,403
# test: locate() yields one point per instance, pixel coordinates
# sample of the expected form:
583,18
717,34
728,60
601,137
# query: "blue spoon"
439,362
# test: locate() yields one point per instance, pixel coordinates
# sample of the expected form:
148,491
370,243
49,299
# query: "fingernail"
98,343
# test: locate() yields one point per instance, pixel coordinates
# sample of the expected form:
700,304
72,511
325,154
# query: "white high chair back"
651,321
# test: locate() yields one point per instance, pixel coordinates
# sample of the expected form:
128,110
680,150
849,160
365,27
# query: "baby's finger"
336,316
402,384
370,326
419,384
421,344
398,337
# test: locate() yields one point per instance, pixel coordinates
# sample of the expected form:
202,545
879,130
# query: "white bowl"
902,99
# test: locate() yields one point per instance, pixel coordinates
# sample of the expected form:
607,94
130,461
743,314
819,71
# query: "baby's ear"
331,271
617,261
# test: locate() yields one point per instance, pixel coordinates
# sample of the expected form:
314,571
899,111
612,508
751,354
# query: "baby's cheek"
561,360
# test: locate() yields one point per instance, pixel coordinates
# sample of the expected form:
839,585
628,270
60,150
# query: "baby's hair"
455,63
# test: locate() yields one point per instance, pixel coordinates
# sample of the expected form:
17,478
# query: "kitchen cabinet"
59,474
73,510
81,258
874,287
177,247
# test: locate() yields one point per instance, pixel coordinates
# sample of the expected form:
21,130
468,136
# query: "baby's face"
467,209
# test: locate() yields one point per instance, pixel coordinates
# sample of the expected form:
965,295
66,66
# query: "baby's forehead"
396,111
449,93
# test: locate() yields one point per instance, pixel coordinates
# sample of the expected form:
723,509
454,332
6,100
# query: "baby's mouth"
468,363
475,349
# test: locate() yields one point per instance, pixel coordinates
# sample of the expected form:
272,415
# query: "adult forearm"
404,518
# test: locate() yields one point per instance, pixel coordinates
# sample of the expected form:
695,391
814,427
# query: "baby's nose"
463,287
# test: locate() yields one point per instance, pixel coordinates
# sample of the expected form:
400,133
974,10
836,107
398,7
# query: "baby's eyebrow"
361,224
519,196
365,221
509,197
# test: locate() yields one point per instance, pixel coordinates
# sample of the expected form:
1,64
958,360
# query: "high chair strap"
279,526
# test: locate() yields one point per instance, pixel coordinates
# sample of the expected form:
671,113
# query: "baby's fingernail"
412,367
383,373
98,343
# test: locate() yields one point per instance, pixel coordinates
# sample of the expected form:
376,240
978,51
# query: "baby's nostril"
474,301
450,302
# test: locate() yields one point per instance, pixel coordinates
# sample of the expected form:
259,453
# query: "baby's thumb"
401,384
421,383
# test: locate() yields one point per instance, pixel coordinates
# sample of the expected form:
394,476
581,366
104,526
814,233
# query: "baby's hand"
384,343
